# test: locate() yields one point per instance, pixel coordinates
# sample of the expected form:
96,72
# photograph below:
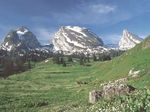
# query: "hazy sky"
106,18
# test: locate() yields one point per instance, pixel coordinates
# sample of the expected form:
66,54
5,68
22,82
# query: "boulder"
94,96
110,90
134,73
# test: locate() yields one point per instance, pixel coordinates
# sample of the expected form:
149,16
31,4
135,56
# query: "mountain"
75,38
49,87
128,40
20,39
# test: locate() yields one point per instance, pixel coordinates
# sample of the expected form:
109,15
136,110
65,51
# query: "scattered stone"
133,73
46,61
110,90
122,80
94,96
113,89
119,81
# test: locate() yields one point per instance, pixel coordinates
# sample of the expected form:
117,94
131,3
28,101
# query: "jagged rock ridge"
75,38
128,40
21,38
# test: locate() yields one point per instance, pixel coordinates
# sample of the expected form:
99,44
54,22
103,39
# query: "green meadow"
51,87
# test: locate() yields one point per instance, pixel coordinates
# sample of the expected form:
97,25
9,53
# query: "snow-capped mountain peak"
20,38
75,28
128,40
75,38
22,30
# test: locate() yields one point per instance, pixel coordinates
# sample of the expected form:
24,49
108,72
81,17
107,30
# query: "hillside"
51,87
137,58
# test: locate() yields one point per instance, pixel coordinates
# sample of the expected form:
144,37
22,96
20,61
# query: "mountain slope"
128,40
74,38
51,87
137,59
20,39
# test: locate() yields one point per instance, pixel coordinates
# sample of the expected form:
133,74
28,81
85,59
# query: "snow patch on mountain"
128,40
77,29
22,32
75,39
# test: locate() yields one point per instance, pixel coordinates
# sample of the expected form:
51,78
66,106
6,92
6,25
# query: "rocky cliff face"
21,38
74,38
128,40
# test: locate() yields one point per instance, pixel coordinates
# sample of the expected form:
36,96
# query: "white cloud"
92,14
88,13
102,9
44,35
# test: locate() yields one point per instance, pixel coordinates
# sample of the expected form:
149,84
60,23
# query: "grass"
51,87
47,82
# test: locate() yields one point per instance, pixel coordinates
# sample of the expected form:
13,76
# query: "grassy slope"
137,58
51,87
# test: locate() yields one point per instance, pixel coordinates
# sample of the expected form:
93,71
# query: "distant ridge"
128,40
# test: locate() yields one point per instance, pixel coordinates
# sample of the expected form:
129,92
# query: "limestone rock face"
111,89
94,96
75,38
128,40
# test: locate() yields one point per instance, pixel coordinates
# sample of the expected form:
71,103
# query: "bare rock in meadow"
94,96
114,89
110,90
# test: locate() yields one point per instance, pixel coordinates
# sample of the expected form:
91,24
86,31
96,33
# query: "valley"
52,87
74,56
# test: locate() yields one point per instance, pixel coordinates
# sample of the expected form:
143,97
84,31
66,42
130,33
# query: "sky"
106,18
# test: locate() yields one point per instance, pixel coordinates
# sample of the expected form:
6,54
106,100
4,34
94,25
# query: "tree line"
84,58
15,62
20,61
